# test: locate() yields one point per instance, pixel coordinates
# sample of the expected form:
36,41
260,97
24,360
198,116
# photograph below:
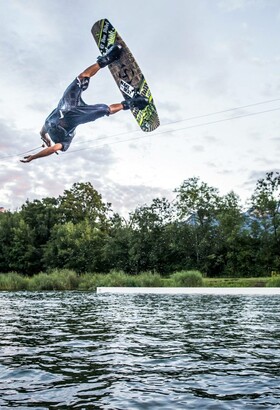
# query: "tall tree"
41,216
197,204
81,202
116,250
265,214
75,246
198,199
149,248
8,221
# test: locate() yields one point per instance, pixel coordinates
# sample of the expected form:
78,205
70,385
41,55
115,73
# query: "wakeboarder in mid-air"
59,128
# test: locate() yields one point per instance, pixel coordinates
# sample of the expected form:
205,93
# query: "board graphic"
127,74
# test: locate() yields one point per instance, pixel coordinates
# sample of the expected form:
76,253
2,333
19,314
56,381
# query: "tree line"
200,230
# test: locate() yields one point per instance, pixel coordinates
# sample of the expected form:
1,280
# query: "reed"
55,280
65,279
236,282
273,282
192,278
13,281
119,279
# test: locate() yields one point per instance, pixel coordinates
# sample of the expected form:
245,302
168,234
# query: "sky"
206,62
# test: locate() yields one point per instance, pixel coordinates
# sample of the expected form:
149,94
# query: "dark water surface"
64,350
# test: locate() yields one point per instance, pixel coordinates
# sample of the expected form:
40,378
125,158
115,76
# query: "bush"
119,279
273,282
13,281
68,279
149,279
89,281
55,280
190,278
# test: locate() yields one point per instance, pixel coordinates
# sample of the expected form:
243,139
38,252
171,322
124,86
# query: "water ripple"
62,350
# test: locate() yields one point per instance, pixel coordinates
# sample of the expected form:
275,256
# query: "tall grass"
69,280
273,282
236,282
55,280
192,278
119,279
13,281
90,281
150,279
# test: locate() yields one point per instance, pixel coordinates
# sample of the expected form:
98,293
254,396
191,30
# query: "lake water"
64,350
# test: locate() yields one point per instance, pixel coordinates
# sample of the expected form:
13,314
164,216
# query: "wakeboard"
127,74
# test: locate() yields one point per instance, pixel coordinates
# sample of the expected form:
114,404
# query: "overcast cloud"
199,57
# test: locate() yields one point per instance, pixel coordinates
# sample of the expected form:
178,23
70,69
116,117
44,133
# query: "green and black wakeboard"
127,74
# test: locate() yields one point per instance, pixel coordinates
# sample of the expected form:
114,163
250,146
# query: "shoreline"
189,291
186,282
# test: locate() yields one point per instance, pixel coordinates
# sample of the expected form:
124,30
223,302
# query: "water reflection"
82,350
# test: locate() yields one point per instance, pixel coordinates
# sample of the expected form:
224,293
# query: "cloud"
14,186
211,165
198,58
263,161
234,5
215,82
8,141
210,139
52,175
225,172
48,176
254,176
198,148
126,198
262,62
14,141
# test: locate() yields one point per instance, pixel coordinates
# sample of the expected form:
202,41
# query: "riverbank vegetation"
69,280
200,230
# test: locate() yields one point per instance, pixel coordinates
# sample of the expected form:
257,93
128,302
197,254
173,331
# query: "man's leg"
90,71
102,61
114,108
88,113
139,102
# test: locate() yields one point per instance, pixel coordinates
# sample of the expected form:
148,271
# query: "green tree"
197,205
265,213
225,254
149,243
23,256
82,202
8,221
266,203
116,250
75,246
195,198
41,216
18,251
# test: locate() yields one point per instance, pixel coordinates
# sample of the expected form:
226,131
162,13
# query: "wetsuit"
71,112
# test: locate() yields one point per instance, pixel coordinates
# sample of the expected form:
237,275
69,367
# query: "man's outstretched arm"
44,153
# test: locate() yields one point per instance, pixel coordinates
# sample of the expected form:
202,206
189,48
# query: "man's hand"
28,158
44,153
